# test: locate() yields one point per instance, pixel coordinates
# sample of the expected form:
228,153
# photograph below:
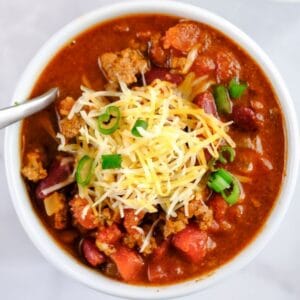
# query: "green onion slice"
111,161
84,170
222,99
108,122
233,195
236,88
139,123
223,182
229,152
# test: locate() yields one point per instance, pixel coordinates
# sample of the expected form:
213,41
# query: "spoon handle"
16,113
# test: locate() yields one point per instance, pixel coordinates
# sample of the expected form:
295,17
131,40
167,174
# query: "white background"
24,274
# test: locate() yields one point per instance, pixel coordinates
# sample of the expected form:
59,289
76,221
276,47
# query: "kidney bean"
207,102
91,253
162,74
59,171
244,117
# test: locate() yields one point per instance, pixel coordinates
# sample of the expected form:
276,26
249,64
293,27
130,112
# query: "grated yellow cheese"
163,168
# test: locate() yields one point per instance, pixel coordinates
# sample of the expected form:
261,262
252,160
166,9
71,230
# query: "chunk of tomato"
128,262
192,242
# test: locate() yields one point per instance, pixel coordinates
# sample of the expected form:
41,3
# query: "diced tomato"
219,207
131,220
86,218
182,36
207,102
203,65
109,235
192,242
128,262
91,253
162,74
244,118
227,66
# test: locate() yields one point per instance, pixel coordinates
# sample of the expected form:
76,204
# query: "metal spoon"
16,113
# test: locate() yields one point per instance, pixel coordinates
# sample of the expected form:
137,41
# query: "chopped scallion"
236,88
222,99
111,161
84,170
139,124
229,152
108,122
233,195
223,182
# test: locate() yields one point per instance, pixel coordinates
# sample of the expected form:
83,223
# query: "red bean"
244,117
207,102
59,171
91,253
162,74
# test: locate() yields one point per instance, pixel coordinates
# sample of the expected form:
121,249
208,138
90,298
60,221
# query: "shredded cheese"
162,168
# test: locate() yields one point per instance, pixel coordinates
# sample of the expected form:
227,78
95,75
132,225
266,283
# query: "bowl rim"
31,223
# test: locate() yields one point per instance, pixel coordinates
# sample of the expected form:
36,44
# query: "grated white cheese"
165,166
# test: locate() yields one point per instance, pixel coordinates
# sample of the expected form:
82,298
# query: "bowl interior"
30,221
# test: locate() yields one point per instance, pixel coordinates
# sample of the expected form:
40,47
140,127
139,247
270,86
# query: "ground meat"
81,215
65,105
107,237
174,225
133,239
227,66
123,65
70,127
177,63
150,247
109,216
138,45
136,240
33,169
202,212
158,55
111,86
182,37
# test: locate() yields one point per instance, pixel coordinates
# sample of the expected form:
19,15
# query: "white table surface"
24,274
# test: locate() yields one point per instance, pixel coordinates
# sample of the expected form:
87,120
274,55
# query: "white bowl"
30,221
